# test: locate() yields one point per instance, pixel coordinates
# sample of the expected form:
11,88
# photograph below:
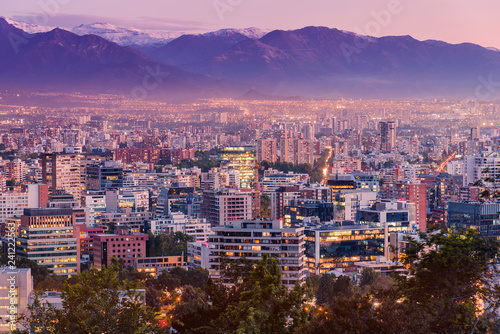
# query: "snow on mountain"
254,33
126,36
29,27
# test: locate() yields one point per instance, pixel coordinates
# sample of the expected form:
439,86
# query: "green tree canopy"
98,302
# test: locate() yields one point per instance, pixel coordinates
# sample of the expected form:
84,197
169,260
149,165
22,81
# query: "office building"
251,239
397,216
340,247
106,176
46,237
243,160
298,209
483,217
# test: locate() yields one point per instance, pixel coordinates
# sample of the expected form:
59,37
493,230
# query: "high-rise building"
415,192
387,136
16,170
474,133
309,132
46,237
266,150
105,176
66,171
242,159
303,152
481,167
250,239
225,205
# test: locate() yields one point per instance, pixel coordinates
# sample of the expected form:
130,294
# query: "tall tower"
266,150
387,136
241,159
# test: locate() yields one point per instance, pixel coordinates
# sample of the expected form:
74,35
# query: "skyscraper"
387,136
242,159
266,150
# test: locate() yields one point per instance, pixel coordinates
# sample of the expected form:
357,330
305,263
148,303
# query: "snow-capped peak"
29,27
252,32
125,36
255,33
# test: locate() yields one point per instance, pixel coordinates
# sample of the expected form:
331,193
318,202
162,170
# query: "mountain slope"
328,62
59,60
190,49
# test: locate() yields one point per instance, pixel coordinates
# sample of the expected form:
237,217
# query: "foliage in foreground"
98,302
258,303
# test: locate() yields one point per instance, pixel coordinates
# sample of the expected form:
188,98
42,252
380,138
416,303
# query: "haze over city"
232,166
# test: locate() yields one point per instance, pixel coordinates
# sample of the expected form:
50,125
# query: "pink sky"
453,21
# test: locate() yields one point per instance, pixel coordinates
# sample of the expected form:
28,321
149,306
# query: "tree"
368,276
450,275
98,302
331,287
265,206
450,278
258,303
168,244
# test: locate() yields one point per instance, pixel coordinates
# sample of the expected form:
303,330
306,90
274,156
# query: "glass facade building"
328,247
243,160
483,217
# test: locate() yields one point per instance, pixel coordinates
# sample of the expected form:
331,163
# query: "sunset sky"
453,21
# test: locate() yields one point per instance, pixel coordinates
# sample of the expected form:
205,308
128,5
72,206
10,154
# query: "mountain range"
313,62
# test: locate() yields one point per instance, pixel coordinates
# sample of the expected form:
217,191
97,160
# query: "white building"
198,228
482,166
348,202
250,239
22,286
12,204
198,254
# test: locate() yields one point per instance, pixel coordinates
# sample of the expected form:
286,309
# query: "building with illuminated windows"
106,176
222,206
298,209
399,216
339,247
46,237
251,239
125,246
242,159
66,171
483,217
23,284
155,265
